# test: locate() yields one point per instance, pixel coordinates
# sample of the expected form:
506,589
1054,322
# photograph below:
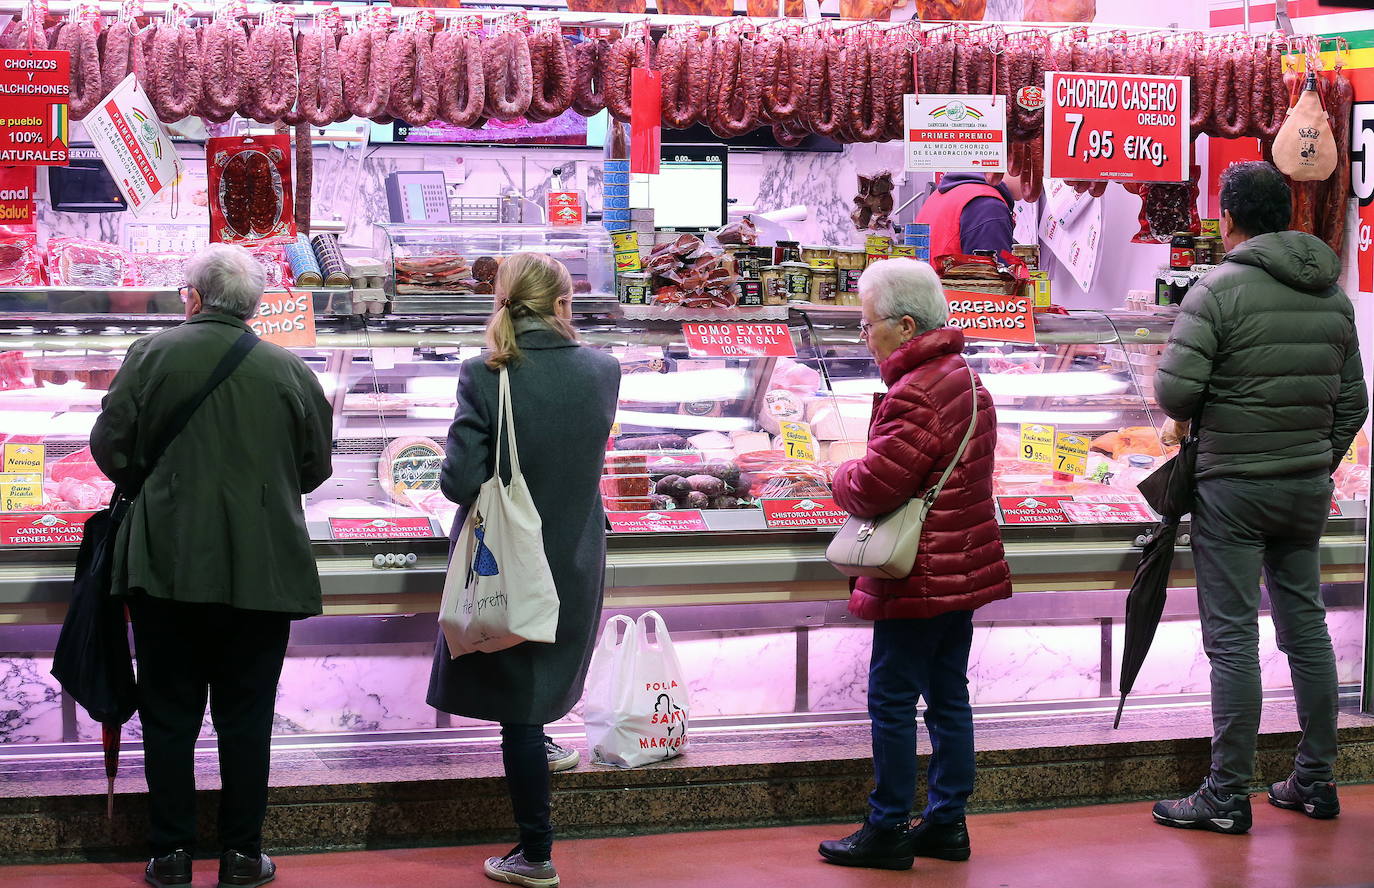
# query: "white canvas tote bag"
499,591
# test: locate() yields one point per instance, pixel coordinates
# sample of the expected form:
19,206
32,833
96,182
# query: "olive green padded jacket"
1266,343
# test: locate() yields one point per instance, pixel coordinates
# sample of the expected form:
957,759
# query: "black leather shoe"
241,871
943,841
872,847
174,869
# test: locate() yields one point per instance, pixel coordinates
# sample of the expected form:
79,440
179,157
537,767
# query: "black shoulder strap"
226,366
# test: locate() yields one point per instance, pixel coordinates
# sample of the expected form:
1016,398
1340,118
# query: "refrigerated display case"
732,531
434,267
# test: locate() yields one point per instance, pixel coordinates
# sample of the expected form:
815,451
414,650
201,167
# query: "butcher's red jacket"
915,431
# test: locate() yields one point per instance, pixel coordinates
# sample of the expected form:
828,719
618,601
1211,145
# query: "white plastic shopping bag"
499,590
637,706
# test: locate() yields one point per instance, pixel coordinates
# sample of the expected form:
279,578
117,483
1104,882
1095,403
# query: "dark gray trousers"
1240,528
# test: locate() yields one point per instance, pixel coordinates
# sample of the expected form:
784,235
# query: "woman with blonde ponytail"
564,397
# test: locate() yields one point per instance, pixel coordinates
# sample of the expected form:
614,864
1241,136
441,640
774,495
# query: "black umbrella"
1145,604
1170,491
92,659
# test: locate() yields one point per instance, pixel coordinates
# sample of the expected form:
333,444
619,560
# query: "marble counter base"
452,792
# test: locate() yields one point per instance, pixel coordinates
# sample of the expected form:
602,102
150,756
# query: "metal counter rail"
1072,577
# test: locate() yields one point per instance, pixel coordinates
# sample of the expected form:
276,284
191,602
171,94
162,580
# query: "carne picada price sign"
1118,127
34,88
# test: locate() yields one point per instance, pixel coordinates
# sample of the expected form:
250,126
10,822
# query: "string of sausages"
843,82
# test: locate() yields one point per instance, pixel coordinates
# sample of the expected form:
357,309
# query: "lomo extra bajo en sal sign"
739,340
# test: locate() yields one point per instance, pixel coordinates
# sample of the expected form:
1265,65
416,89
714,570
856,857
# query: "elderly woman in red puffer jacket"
923,624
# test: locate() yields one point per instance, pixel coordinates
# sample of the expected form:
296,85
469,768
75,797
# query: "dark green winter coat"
219,520
1266,342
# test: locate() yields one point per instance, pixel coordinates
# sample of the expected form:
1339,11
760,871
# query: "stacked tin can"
305,267
917,234
615,200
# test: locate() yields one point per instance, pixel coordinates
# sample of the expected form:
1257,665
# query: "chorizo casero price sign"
1118,127
34,88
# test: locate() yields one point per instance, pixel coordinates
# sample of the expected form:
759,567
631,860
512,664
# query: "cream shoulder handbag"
886,547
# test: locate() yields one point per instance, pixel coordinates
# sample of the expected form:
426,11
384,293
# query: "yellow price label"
1040,280
1070,454
615,430
24,458
16,495
797,441
1350,456
1037,443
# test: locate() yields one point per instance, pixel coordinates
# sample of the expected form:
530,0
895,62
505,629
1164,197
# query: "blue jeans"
921,659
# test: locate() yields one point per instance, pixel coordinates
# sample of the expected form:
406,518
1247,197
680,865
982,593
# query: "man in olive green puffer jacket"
1265,356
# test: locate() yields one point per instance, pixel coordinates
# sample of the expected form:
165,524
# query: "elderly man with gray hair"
922,623
215,436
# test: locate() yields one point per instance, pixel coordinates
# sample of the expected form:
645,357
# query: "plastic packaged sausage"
250,189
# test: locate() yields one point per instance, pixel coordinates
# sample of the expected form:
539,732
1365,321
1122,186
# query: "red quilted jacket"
915,431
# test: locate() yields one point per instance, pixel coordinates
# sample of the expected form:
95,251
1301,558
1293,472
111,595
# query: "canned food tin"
625,241
633,288
750,292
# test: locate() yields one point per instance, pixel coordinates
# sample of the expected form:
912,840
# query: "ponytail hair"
528,285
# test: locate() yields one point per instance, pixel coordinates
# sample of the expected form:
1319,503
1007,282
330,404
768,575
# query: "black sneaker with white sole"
1206,809
1317,799
560,759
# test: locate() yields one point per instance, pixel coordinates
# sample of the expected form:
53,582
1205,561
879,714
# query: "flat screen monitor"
690,191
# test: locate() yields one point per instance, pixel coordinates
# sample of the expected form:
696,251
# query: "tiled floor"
1070,848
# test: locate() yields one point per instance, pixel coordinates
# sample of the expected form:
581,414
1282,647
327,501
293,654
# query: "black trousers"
186,652
527,779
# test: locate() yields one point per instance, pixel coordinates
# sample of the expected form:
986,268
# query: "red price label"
43,528
986,316
675,521
807,512
1088,512
1122,127
17,187
1033,509
288,319
34,88
739,341
1362,171
380,528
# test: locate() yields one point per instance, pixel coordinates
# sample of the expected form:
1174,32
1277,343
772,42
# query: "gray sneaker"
1206,809
514,869
1317,799
561,759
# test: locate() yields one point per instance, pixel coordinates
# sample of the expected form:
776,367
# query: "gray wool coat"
565,400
